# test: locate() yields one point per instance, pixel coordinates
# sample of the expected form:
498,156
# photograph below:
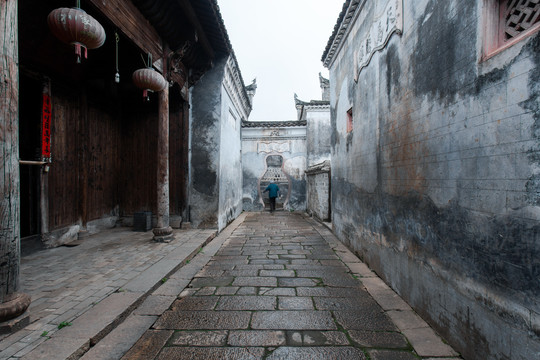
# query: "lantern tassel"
145,95
78,52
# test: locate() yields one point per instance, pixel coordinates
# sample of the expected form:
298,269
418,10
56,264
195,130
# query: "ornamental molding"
266,138
273,147
388,22
235,88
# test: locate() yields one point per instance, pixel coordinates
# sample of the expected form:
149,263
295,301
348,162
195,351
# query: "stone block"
149,345
316,353
200,338
316,338
295,303
391,355
155,305
121,339
256,338
293,320
254,281
378,339
211,353
364,320
246,303
204,320
426,343
195,303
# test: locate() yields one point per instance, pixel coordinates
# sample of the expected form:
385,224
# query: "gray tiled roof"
273,124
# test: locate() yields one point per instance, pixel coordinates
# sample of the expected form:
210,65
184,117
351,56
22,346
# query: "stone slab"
151,276
155,305
121,339
92,322
277,273
407,320
391,355
191,303
364,320
277,291
426,343
293,320
204,320
316,353
330,292
342,303
171,287
295,303
254,281
316,338
247,303
256,338
298,282
389,300
227,290
68,347
149,345
211,281
361,269
200,338
379,339
181,353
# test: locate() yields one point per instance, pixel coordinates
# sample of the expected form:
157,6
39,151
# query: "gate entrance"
274,173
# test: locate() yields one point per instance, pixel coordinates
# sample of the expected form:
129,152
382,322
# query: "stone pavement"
92,287
275,286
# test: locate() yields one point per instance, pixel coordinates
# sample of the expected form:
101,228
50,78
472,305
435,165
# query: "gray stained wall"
437,185
218,107
318,191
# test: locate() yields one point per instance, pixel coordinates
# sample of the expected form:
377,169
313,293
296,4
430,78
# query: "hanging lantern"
74,26
149,79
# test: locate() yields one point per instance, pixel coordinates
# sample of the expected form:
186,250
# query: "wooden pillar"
12,304
163,232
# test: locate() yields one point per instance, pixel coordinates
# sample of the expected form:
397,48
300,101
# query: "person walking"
273,191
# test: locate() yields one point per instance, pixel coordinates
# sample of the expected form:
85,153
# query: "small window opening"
518,16
507,22
349,120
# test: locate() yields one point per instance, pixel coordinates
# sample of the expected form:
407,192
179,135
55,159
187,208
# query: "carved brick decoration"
519,16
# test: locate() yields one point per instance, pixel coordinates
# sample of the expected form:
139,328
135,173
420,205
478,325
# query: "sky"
280,42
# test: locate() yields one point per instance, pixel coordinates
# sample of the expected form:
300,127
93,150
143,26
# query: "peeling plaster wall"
436,187
318,134
230,168
205,147
257,144
218,107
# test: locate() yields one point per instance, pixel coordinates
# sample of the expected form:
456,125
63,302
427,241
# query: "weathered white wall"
219,104
257,144
318,132
436,187
230,163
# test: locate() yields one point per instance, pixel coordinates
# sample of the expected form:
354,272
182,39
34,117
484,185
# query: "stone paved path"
91,287
283,287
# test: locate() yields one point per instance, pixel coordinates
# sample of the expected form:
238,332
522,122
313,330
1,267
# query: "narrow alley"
274,286
283,287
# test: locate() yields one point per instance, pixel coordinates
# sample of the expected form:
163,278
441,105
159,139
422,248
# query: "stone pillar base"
163,234
14,305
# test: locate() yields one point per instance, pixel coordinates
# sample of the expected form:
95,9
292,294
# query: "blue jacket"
272,190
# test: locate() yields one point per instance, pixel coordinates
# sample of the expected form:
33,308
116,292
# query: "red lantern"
149,79
74,26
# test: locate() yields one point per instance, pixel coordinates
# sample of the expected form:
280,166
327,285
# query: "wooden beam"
194,20
132,24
